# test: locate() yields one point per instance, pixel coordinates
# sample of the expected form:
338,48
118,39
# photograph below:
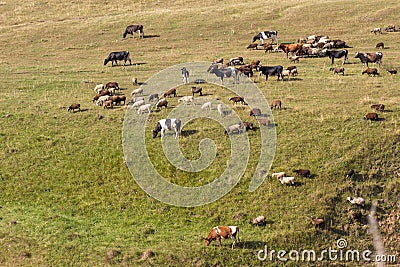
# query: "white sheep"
207,105
238,128
278,175
220,111
101,99
137,104
143,108
98,88
286,180
259,220
187,99
138,91
356,200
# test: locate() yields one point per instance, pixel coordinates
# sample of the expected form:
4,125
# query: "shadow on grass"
189,132
251,245
151,36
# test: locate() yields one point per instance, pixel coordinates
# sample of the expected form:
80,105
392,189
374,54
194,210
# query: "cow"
167,124
223,232
134,28
262,36
292,48
271,70
115,56
366,58
170,92
332,54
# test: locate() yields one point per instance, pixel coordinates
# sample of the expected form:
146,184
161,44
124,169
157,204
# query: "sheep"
268,47
137,104
337,70
390,28
276,104
294,72
252,46
153,97
96,97
303,172
255,112
380,45
263,121
73,107
371,71
138,91
220,110
359,201
101,99
317,222
143,108
286,73
350,173
187,99
134,81
135,99
371,116
278,175
111,90
196,90
112,85
376,30
162,103
108,104
392,72
378,107
286,180
237,99
170,92
98,88
248,125
259,220
207,105
235,128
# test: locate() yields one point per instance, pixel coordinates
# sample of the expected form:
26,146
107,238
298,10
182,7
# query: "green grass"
63,178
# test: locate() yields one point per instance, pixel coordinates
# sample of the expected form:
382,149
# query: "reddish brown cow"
223,232
170,92
292,48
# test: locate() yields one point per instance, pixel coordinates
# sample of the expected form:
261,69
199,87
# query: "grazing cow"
255,112
376,30
332,54
366,58
380,45
185,75
167,124
271,70
73,107
371,71
277,104
303,172
237,99
371,116
153,97
112,85
223,232
262,36
248,125
197,90
337,70
378,107
162,103
224,73
115,56
292,48
392,72
132,29
170,92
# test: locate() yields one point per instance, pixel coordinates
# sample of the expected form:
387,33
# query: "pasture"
67,197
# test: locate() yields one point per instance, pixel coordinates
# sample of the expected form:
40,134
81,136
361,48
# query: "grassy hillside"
67,197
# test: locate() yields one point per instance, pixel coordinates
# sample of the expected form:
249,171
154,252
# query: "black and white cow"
271,70
134,28
167,124
366,58
115,56
262,36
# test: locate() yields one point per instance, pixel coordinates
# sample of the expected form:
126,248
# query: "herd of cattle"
311,46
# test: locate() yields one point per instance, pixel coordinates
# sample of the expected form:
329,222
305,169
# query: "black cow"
369,57
273,70
134,28
115,56
262,36
332,54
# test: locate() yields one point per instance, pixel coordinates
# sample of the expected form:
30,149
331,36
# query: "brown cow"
223,232
292,48
170,92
